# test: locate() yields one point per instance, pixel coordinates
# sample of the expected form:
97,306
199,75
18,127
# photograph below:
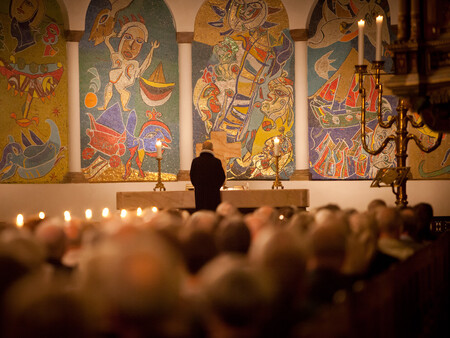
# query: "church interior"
330,119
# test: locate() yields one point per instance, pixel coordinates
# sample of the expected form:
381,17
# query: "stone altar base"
242,199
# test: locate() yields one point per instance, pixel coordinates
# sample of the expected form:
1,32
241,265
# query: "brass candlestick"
401,137
277,184
159,184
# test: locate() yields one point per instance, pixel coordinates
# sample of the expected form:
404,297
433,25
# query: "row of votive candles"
361,23
87,214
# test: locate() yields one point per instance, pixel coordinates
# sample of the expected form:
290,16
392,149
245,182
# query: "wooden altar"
242,199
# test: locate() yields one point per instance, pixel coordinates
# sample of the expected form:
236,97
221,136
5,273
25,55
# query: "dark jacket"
207,176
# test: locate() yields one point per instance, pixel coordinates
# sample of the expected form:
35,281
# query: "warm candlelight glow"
19,220
67,216
276,146
158,149
105,212
123,213
379,42
139,212
88,214
361,42
154,209
41,215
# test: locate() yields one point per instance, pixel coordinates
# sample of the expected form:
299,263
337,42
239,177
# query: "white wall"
53,199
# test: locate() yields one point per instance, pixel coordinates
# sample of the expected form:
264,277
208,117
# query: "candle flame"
361,23
154,209
123,213
67,216
88,214
105,212
41,215
139,212
19,220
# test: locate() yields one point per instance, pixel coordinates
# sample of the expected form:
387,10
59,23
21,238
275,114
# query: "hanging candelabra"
398,176
276,150
159,184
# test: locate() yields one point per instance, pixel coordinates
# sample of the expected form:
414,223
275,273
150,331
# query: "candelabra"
401,137
159,184
277,184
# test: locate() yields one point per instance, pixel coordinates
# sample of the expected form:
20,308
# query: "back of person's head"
409,221
327,242
227,209
300,222
207,145
374,204
389,222
36,307
233,235
205,220
198,248
52,235
236,298
424,215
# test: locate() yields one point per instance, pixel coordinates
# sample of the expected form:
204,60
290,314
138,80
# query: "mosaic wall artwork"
334,105
335,148
129,91
33,86
243,85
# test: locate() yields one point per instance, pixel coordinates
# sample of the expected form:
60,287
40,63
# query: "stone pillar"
185,85
73,78
301,106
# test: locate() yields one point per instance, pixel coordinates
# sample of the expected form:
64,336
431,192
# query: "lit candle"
123,213
67,217
19,220
139,212
88,214
154,209
158,149
378,45
105,212
41,215
276,146
361,42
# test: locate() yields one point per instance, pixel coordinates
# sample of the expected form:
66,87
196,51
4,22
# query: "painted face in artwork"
25,10
279,101
131,43
247,14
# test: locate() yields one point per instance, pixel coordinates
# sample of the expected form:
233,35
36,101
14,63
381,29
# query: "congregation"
212,274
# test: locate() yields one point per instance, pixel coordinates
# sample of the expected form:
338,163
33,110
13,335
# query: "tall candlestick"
361,42
276,146
378,45
158,149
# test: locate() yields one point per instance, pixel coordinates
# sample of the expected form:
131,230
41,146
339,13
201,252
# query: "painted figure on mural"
125,68
26,16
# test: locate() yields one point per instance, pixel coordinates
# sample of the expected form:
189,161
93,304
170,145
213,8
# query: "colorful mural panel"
334,104
33,81
243,80
128,91
336,150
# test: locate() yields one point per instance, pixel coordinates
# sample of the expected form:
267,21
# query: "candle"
105,212
158,149
123,213
19,220
88,214
276,146
139,212
378,45
361,42
41,215
67,217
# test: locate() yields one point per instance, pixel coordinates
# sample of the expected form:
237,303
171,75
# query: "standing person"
207,176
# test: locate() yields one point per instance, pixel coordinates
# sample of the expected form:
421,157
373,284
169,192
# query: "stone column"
73,78
185,84
300,37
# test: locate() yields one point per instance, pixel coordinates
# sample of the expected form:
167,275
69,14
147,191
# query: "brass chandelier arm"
380,149
420,145
415,124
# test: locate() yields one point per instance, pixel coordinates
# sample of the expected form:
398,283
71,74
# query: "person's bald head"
207,145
